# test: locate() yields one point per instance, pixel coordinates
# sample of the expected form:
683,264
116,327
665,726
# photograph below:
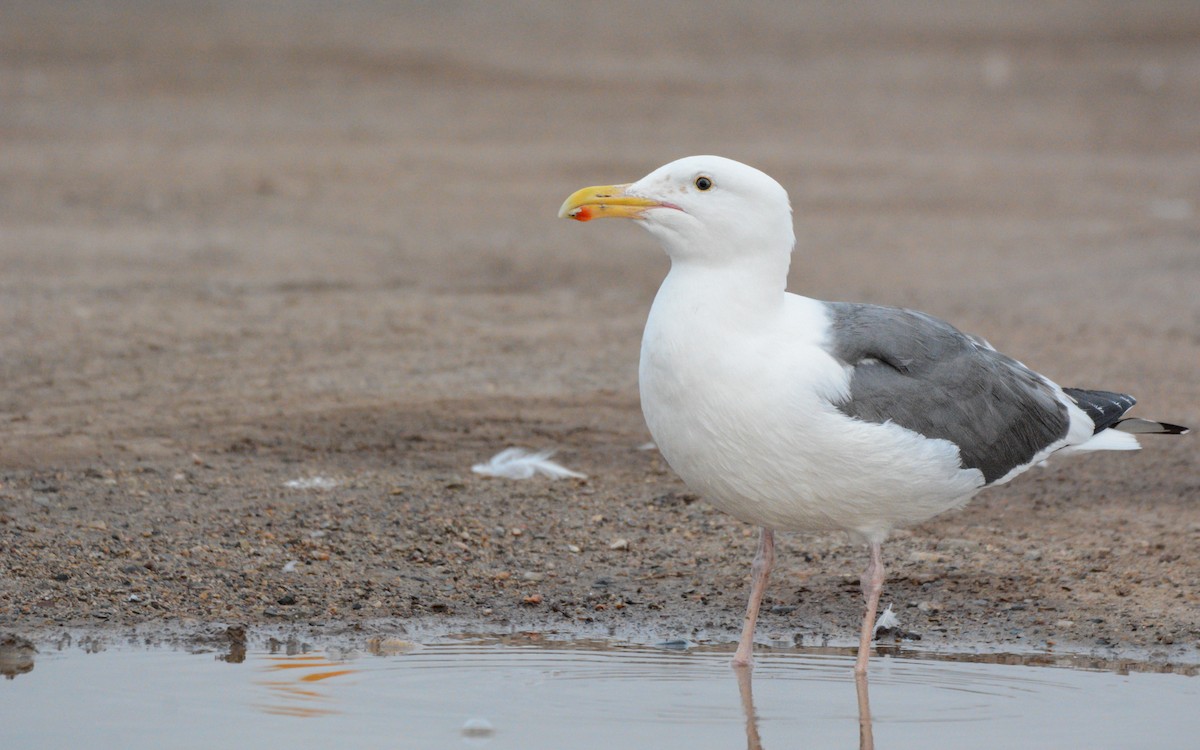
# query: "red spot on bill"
583,213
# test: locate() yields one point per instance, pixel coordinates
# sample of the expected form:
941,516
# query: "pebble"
621,543
382,646
477,727
952,543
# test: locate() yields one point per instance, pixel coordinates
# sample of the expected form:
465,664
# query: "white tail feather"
518,463
1109,440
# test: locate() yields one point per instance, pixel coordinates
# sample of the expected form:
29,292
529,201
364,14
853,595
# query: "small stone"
1064,623
530,575
954,544
382,646
286,600
621,543
573,548
532,600
477,727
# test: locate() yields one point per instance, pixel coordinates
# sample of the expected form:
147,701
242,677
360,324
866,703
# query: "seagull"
795,414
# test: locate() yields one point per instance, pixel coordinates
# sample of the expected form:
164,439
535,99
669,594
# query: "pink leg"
872,586
759,572
866,734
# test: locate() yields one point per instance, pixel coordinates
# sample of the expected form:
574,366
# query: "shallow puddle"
524,693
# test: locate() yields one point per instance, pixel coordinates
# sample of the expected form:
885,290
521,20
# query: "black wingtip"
1104,407
1138,426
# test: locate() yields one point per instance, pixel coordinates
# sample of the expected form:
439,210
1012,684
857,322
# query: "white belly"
747,421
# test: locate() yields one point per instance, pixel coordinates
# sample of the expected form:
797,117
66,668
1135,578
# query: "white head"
703,209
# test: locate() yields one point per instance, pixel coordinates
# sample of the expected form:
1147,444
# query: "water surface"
524,693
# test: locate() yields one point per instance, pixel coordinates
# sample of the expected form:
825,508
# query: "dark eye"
703,183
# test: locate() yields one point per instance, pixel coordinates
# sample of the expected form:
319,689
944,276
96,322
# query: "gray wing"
924,374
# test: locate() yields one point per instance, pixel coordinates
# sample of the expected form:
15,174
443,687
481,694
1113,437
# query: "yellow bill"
605,202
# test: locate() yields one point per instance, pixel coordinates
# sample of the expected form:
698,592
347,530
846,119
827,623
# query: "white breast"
739,399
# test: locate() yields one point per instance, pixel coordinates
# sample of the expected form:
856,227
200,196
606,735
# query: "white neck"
742,292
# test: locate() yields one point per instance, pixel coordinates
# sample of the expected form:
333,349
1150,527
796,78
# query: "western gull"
801,415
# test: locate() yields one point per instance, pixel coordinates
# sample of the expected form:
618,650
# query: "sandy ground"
249,243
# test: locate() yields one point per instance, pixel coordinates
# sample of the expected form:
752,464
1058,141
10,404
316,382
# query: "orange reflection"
290,696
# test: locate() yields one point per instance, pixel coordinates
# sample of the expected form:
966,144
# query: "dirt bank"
243,246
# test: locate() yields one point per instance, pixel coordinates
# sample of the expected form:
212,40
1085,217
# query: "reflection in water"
297,691
302,686
236,635
745,680
16,656
866,737
745,687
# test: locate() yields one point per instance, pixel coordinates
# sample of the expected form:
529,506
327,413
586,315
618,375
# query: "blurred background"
213,213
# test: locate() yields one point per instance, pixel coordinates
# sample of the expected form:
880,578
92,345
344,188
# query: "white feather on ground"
518,463
312,483
887,621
